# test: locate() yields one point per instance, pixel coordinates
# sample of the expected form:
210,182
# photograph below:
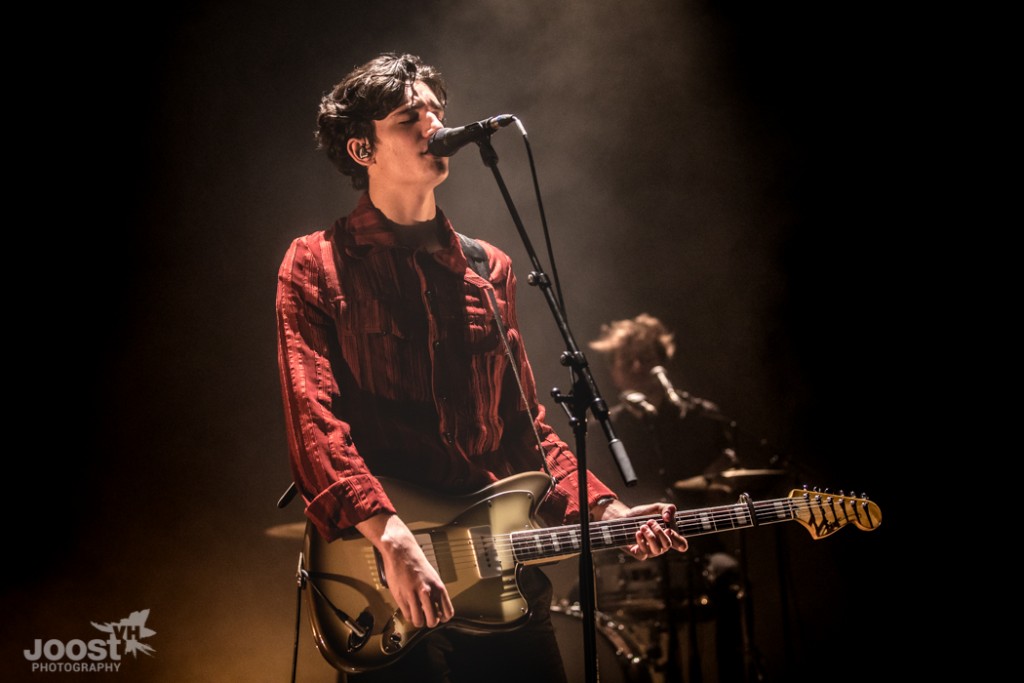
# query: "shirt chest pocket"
369,316
384,350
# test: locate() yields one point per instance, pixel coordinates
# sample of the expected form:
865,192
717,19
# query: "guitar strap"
477,258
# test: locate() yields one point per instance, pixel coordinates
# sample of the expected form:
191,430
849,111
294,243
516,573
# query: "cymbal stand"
673,654
752,670
694,667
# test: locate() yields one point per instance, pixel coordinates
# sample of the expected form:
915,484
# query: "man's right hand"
413,581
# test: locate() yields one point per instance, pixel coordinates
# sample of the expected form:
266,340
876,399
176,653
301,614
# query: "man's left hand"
652,539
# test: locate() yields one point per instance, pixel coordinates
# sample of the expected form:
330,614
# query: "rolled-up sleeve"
335,482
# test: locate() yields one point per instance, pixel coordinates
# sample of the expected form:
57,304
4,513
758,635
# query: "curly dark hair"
367,94
644,337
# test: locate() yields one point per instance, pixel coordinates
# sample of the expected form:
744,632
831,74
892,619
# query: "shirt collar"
366,229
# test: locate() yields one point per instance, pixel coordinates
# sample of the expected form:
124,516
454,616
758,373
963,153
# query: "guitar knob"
392,641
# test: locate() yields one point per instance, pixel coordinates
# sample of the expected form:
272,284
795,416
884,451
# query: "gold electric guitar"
478,542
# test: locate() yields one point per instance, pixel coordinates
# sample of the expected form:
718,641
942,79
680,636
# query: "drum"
621,658
628,586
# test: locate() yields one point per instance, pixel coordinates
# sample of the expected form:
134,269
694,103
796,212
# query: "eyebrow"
417,103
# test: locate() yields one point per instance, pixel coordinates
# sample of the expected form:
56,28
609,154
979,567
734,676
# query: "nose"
434,123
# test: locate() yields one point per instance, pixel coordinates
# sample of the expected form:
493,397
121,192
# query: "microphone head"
500,121
447,141
635,399
436,143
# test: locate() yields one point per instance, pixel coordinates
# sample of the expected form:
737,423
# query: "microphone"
634,399
659,373
448,141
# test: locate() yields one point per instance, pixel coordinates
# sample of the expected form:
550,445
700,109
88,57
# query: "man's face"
631,370
400,157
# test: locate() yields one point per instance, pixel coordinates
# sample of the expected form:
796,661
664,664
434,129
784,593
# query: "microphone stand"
584,396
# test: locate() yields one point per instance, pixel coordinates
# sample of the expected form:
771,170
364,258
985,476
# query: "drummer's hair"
636,337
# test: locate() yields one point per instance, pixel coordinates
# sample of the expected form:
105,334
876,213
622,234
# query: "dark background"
730,167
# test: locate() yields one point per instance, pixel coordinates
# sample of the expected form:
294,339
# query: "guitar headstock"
823,513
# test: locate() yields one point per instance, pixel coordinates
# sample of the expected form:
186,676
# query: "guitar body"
458,537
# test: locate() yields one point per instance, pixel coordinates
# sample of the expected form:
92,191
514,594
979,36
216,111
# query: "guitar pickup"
486,552
437,549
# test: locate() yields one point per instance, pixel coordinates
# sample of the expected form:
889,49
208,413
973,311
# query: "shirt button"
437,344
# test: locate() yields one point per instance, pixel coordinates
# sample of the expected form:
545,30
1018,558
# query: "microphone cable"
543,219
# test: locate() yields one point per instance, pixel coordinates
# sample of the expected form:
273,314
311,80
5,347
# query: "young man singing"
392,365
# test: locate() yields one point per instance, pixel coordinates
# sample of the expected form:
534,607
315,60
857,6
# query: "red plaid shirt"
391,365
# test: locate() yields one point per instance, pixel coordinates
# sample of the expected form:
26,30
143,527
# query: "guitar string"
525,543
542,543
550,541
465,557
622,531
722,518
696,519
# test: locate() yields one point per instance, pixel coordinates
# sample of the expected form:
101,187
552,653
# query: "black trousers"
528,654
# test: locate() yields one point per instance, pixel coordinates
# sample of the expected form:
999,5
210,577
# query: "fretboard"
540,544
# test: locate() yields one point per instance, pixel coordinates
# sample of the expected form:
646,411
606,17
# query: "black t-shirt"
666,448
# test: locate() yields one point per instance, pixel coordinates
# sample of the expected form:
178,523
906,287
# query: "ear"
360,151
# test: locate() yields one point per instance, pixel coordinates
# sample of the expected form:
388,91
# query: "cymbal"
295,530
739,473
750,480
700,484
726,481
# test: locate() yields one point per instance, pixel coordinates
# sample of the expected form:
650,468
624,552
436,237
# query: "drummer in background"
673,437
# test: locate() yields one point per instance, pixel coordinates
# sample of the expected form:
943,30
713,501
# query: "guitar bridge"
487,561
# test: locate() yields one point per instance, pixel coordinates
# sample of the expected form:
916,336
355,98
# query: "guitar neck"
556,543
